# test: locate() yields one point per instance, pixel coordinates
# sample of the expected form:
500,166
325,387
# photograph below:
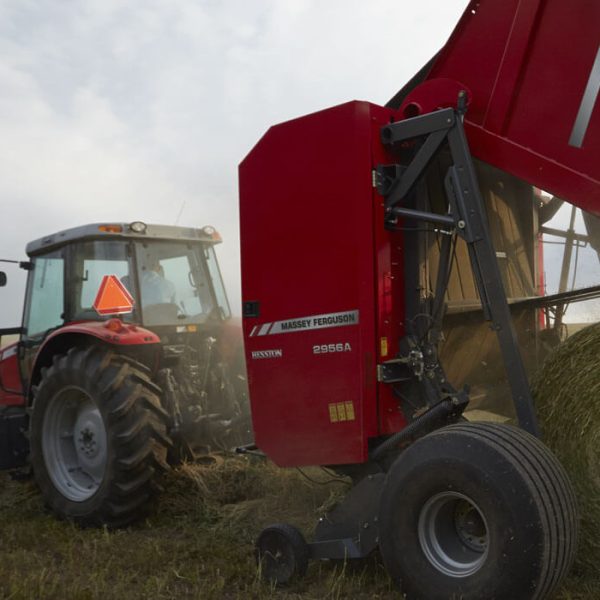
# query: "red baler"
342,212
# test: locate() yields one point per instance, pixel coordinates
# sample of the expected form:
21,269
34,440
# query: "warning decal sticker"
341,411
112,297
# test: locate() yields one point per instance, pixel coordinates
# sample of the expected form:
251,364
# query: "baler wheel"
478,510
281,554
98,437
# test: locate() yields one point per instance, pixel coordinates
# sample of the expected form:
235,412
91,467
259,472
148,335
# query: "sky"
142,110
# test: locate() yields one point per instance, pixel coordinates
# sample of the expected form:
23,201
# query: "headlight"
137,227
212,233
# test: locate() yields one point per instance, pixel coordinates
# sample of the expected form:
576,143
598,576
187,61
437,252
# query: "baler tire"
98,437
477,510
281,554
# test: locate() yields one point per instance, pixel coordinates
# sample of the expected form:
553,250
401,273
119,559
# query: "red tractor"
408,236
125,364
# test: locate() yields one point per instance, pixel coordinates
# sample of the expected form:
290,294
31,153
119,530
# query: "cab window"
45,296
90,262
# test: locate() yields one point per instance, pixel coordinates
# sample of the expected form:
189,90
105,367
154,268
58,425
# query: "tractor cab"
165,279
169,277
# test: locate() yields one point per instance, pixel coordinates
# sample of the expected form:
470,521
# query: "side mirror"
2,278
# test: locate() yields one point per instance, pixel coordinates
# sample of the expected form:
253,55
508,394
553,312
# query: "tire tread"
554,494
524,462
136,423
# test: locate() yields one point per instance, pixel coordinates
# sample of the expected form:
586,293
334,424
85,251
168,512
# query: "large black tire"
477,511
98,437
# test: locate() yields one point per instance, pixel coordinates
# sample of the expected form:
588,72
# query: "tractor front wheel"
477,511
98,437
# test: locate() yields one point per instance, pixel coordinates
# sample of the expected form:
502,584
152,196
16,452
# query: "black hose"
421,425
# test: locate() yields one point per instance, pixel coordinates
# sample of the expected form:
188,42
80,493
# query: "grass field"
198,543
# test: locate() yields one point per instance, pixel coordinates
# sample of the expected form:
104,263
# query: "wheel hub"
470,527
453,534
88,439
74,444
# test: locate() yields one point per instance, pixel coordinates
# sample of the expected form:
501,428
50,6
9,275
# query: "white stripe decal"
587,105
253,330
264,329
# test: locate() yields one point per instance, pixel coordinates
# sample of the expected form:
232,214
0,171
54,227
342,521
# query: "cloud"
142,110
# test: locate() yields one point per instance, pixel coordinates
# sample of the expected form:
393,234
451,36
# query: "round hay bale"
566,392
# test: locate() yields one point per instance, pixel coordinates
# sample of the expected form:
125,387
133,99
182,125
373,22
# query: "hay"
477,415
566,392
242,495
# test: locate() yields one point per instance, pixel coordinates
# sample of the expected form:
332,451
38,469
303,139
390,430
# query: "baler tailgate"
534,79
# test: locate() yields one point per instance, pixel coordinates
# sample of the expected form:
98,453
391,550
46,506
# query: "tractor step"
14,446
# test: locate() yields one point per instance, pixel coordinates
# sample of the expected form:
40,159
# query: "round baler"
379,242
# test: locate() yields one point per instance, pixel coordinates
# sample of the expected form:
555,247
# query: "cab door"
44,307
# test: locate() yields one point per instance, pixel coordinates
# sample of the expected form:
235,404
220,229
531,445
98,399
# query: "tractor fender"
111,333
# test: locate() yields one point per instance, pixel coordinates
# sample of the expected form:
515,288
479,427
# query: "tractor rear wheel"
477,510
98,437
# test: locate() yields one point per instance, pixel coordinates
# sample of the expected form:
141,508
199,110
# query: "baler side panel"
312,388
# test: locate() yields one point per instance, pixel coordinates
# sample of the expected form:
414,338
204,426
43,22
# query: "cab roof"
122,231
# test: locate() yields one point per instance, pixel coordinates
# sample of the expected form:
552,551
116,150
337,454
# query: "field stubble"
198,544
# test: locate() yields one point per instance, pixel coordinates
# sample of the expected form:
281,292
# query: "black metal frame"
14,446
467,217
351,529
11,331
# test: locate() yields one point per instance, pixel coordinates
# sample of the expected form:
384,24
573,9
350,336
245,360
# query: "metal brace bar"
405,183
421,215
469,205
336,549
443,274
11,331
423,125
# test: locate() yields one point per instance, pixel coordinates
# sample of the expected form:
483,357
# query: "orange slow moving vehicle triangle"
113,297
